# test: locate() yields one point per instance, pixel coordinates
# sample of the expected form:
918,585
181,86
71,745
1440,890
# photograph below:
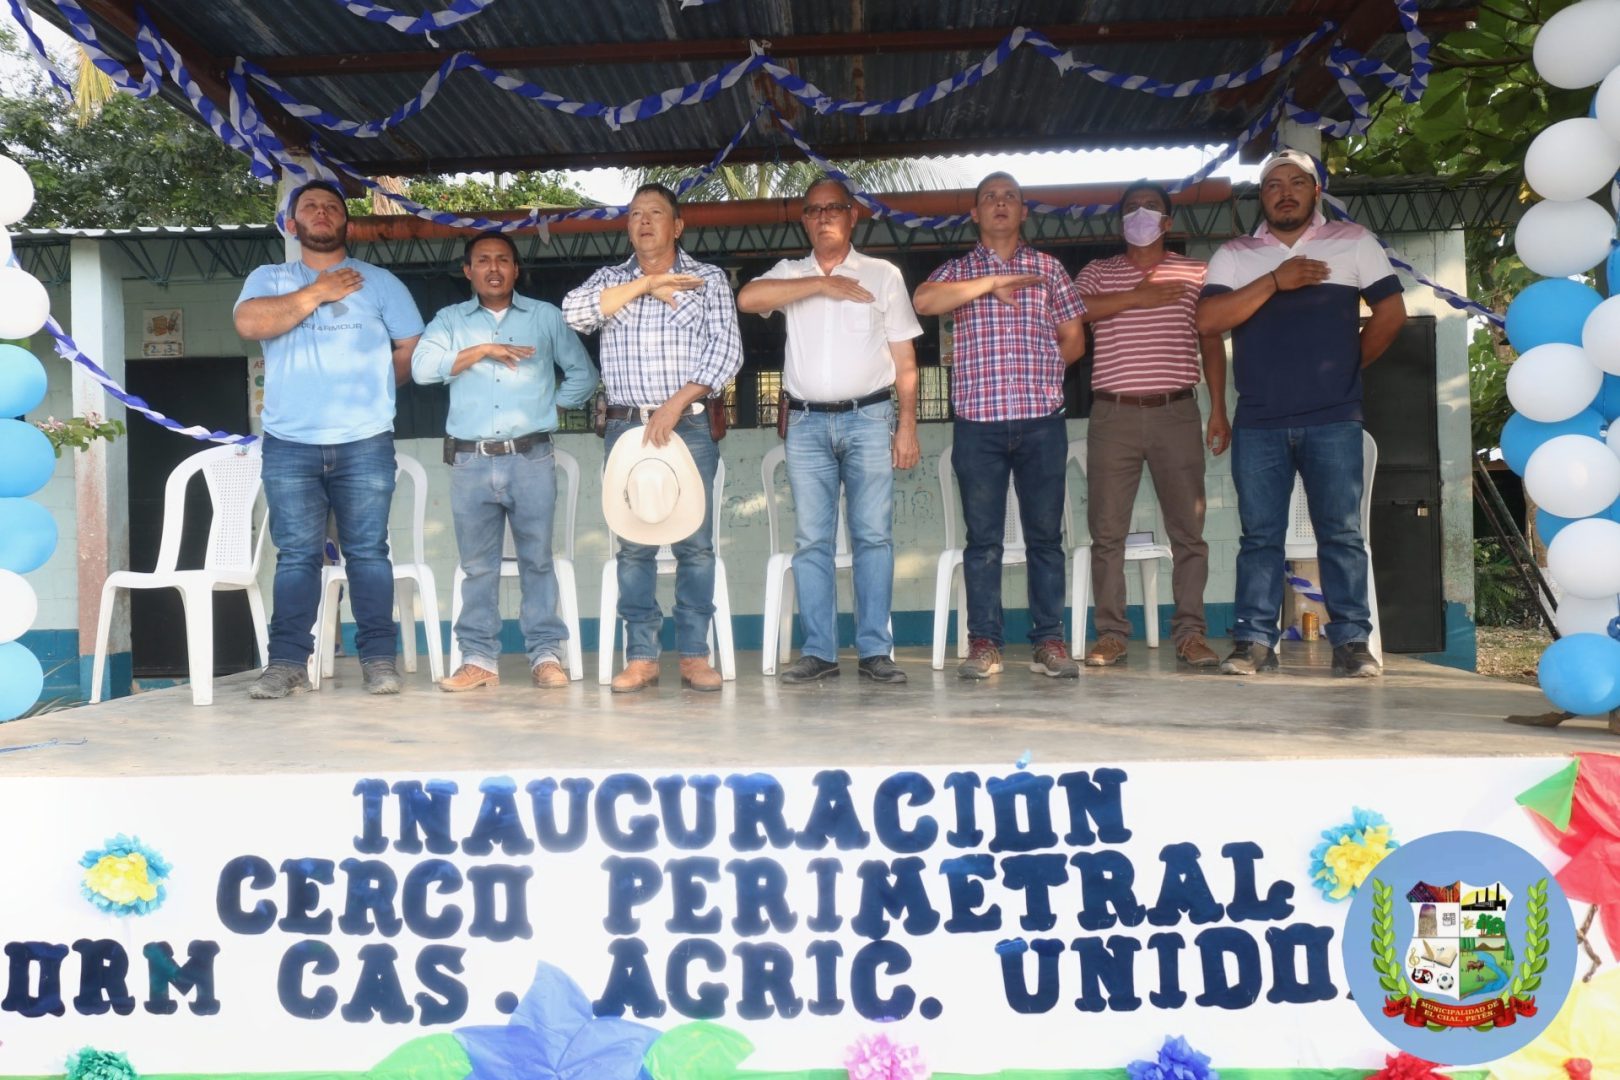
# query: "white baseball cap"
1298,158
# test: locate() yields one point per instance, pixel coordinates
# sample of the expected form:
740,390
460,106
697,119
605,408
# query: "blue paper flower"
1348,853
1176,1061
553,1035
91,1064
124,876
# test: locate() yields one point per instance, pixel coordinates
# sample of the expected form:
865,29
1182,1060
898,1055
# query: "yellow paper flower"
1349,853
121,878
1586,1029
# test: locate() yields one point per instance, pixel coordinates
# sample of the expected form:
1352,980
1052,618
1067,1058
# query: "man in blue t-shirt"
337,336
1291,296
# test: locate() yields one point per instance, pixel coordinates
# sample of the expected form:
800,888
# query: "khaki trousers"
1170,439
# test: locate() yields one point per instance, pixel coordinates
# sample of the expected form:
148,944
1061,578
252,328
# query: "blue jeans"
354,482
1328,457
852,449
694,560
486,495
1034,454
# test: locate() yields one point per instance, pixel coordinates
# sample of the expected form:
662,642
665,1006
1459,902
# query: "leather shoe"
1106,651
548,675
696,674
808,669
637,675
881,669
1195,652
468,677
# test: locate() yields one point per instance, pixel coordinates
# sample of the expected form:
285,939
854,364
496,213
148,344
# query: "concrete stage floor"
1147,710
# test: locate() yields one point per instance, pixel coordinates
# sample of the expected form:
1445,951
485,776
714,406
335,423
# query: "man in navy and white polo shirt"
1291,296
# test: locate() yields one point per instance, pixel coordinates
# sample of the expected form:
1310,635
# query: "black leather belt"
1149,401
498,447
634,412
838,406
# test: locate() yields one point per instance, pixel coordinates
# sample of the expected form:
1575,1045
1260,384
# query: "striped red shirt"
1144,350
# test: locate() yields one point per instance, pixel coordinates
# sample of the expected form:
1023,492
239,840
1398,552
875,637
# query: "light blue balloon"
1607,403
1614,271
27,535
1549,525
1581,674
21,680
22,381
1553,310
1521,436
26,459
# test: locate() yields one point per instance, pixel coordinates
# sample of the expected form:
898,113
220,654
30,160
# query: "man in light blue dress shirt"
500,352
337,336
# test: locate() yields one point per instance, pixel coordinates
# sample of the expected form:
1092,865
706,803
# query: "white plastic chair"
1300,542
609,626
949,579
1146,557
777,643
231,563
562,563
409,577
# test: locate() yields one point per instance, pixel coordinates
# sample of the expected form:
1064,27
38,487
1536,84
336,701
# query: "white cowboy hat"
652,494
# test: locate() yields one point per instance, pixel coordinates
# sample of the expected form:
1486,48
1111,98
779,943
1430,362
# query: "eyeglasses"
827,209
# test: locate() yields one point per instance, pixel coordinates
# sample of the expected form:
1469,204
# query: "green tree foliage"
515,191
787,179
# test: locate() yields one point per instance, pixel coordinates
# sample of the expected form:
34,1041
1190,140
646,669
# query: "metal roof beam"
1283,26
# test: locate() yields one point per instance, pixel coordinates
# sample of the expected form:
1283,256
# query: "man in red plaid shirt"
1017,327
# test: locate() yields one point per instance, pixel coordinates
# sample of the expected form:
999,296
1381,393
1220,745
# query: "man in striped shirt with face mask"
1143,306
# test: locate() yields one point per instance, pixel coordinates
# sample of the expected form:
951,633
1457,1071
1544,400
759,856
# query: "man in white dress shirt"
849,359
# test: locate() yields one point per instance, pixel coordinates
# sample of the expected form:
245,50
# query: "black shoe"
1249,658
380,676
808,669
280,679
881,669
1353,660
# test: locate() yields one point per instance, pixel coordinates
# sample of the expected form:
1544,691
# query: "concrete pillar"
101,473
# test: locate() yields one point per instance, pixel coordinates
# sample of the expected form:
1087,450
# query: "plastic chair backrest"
776,458
1300,541
232,477
408,466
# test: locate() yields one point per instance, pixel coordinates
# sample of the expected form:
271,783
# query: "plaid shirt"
1007,365
650,350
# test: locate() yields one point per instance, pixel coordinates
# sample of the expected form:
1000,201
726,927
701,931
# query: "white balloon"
1579,45
1600,335
18,606
1571,159
1553,382
1573,476
1584,558
1607,104
16,191
24,304
1579,615
1611,435
1557,239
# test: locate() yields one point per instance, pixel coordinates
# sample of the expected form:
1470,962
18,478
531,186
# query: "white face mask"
1143,226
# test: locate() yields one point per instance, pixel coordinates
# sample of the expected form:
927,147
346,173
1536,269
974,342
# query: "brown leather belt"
845,405
498,447
1149,401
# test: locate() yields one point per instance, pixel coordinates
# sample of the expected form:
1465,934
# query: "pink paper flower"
876,1057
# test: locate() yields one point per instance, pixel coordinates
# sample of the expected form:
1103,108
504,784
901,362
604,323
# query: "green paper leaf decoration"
1554,797
432,1057
698,1051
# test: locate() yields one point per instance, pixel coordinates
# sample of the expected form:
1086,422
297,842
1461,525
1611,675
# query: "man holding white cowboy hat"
669,340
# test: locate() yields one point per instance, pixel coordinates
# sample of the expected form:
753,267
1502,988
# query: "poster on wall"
162,333
775,922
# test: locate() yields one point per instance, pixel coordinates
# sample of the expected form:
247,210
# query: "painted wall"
919,512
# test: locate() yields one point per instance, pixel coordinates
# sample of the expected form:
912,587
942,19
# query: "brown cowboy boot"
637,675
696,674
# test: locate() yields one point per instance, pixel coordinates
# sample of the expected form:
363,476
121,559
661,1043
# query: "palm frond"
91,90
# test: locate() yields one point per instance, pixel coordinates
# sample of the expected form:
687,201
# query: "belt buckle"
506,444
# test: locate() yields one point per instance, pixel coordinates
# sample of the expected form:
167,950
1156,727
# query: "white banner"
1080,913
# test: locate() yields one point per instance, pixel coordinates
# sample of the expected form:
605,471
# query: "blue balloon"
26,459
1581,674
22,381
1614,271
1521,436
1553,310
21,680
27,535
1607,403
1549,525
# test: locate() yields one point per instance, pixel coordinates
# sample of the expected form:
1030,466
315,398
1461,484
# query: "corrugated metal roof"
1027,104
